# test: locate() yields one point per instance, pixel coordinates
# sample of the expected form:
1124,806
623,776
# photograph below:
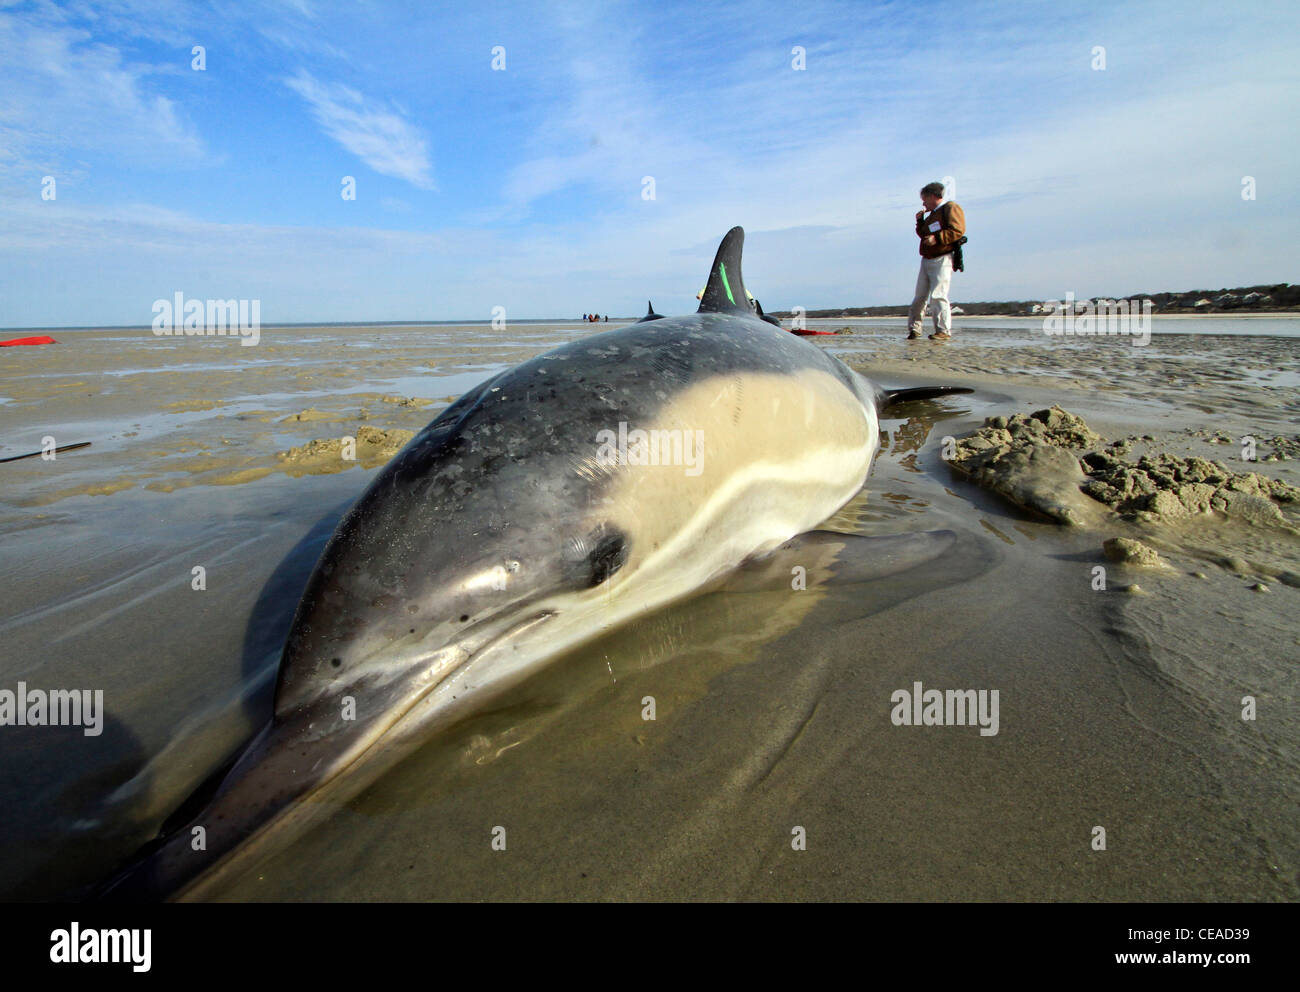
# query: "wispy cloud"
60,90
378,135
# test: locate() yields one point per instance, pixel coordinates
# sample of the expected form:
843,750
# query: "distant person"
940,226
606,318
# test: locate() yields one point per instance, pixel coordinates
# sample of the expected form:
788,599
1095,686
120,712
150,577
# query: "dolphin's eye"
607,557
593,559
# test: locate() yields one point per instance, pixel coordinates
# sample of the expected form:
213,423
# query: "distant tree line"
1247,299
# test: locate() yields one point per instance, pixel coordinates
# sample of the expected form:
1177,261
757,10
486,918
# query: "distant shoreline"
548,321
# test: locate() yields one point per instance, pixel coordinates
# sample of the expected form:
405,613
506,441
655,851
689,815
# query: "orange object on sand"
39,339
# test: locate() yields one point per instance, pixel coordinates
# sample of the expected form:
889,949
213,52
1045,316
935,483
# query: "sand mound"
411,402
1029,460
369,448
1164,487
1127,551
311,413
1039,461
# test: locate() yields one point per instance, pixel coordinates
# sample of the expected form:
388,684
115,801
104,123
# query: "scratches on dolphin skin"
673,366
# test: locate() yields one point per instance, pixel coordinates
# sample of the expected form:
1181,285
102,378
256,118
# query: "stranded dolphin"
572,493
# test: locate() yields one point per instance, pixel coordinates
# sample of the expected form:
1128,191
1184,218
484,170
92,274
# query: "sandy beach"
1121,707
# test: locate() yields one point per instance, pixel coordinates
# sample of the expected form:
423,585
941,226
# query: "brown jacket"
952,228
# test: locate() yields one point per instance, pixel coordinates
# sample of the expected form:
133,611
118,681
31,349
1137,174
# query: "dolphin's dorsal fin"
725,292
650,313
758,308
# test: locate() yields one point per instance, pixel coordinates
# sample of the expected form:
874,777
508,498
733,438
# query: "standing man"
939,226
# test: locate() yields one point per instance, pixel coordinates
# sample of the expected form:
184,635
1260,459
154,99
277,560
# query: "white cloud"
61,91
377,135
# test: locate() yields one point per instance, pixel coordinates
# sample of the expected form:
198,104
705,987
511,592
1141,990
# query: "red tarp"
40,339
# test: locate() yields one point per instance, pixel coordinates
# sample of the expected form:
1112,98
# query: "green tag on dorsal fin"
722,270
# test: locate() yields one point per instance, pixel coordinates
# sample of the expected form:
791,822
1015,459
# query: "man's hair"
934,189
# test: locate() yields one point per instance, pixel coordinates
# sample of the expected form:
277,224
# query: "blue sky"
522,188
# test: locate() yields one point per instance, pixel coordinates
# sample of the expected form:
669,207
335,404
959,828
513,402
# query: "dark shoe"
940,336
914,336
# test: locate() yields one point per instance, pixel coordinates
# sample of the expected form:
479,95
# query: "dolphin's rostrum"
502,535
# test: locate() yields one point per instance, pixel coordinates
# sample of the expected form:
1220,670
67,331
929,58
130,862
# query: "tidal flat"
1159,708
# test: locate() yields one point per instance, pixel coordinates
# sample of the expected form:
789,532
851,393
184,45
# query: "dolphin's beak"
303,765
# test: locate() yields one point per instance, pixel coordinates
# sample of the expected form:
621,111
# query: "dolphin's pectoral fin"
829,557
892,396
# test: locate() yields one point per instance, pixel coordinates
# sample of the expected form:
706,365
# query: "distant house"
956,310
1202,304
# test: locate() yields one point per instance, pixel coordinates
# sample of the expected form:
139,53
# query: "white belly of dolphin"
778,455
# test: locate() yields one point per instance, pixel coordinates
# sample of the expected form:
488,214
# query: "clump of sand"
412,402
311,413
93,489
1030,461
1284,448
1127,551
1164,487
1044,460
370,447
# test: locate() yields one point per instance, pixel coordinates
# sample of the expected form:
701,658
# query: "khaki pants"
932,287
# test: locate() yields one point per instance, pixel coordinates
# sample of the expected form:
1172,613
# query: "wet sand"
1118,708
